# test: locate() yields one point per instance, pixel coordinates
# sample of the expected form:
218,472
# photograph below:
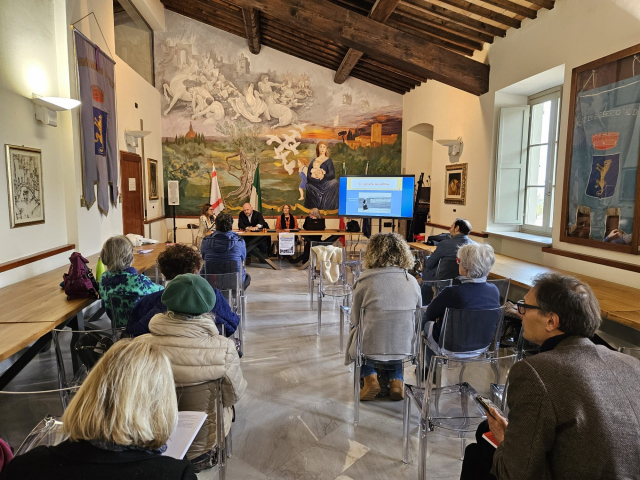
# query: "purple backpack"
79,282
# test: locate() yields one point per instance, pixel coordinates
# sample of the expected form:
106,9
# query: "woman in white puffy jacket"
199,355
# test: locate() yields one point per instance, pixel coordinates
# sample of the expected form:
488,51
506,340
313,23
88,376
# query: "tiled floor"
295,420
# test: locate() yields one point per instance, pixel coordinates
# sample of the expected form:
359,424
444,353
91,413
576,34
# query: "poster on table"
96,84
600,207
287,243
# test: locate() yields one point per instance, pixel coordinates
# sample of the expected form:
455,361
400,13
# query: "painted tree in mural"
245,143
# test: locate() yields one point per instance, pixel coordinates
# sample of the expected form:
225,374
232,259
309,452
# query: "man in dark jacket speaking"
251,220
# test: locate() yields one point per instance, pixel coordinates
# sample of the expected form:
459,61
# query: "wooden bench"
619,303
31,309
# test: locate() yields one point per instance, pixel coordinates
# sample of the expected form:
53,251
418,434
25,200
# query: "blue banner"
96,82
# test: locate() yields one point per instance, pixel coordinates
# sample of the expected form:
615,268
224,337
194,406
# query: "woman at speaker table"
207,219
286,221
314,214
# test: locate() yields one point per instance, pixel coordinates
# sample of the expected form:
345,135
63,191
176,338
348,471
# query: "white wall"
36,56
573,33
419,148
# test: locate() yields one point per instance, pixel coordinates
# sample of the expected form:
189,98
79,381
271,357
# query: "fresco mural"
272,112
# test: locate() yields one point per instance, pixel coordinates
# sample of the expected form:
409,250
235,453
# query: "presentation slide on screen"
388,197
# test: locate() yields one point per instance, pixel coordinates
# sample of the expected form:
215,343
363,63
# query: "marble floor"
295,420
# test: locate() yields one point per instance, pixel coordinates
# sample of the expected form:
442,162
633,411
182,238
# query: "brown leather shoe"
370,388
396,388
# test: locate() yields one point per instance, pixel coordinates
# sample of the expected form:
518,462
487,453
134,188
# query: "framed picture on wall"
24,178
152,171
455,184
601,199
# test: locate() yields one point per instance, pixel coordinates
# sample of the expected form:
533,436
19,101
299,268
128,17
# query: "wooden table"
619,303
31,309
253,239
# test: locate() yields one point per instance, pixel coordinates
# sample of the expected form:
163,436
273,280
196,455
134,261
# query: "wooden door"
131,187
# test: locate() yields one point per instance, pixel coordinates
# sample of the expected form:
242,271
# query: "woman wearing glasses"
473,293
207,219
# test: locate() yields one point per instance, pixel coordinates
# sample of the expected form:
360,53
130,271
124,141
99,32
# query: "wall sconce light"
46,108
132,136
455,146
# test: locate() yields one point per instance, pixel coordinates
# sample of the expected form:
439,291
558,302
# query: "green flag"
256,194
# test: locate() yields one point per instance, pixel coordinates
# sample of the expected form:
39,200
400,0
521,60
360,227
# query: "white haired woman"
384,285
473,293
121,286
118,423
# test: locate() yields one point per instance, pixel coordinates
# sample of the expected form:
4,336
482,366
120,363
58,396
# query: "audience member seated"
119,423
250,220
175,261
207,220
574,409
286,221
473,293
187,334
225,245
316,223
459,232
384,285
121,286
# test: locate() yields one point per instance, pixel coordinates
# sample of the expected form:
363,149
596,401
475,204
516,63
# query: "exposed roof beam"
426,27
198,14
380,41
513,7
549,4
456,17
380,12
484,12
251,18
414,30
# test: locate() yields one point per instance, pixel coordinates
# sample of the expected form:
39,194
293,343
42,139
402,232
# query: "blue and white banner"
96,82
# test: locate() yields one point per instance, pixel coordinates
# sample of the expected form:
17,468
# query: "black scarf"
283,222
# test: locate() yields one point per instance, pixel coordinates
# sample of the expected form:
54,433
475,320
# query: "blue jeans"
394,370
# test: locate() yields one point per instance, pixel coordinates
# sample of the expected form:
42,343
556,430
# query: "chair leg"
229,444
222,451
319,309
342,330
422,447
463,444
356,394
406,426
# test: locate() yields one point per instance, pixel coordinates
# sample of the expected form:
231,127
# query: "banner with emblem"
96,84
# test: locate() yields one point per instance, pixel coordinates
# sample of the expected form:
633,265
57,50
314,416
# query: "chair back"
229,284
471,332
389,335
525,348
49,432
503,285
430,289
633,351
447,269
222,267
118,307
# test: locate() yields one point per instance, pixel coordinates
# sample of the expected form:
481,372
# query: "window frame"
554,95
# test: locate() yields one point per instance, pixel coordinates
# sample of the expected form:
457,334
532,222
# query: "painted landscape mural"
224,107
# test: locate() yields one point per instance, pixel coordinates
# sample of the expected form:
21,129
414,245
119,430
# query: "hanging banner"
96,84
286,243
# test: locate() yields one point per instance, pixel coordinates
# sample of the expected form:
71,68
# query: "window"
526,163
542,154
134,39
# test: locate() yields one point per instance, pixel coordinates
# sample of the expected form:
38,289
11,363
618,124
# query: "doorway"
131,186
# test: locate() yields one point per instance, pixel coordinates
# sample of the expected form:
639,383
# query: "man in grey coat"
448,248
574,409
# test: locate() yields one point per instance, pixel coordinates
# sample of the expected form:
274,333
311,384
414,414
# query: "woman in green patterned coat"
121,286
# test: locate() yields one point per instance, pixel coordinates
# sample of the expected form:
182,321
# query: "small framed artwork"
455,184
153,178
24,178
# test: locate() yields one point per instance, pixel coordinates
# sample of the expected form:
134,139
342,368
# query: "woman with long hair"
322,186
207,219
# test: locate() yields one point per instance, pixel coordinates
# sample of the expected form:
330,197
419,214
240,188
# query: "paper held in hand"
189,424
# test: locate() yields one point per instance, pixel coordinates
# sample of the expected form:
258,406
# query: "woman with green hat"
199,355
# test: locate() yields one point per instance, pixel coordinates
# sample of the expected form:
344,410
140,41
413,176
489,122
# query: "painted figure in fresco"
177,90
322,186
302,171
250,106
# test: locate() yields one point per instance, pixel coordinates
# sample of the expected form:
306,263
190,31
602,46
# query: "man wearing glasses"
574,409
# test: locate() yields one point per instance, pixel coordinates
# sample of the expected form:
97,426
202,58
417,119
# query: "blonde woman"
384,285
118,424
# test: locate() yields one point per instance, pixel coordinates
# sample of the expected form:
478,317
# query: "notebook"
491,439
189,424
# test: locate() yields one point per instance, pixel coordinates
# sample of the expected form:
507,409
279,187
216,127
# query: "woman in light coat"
199,355
384,285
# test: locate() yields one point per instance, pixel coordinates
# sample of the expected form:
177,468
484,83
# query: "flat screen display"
377,196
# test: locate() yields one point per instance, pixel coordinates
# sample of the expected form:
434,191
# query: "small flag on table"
215,199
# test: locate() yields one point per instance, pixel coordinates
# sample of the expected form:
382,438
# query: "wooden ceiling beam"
387,80
387,74
425,27
548,4
283,47
423,15
513,8
379,41
197,14
212,13
411,30
251,18
380,12
370,61
484,12
275,29
379,83
456,17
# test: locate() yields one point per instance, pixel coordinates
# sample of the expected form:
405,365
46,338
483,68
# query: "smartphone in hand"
487,405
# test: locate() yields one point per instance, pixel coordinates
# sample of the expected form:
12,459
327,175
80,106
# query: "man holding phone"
574,409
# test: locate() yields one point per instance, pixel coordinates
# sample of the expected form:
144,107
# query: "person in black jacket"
251,220
118,424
